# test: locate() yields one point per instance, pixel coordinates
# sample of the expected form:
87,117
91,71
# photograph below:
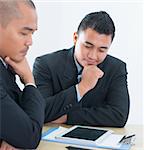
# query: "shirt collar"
3,62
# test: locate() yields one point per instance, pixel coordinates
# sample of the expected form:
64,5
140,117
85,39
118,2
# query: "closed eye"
87,46
103,50
25,34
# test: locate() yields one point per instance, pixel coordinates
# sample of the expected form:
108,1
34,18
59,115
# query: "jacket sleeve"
21,126
59,102
115,109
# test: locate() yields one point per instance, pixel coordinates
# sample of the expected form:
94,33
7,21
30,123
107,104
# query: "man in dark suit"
21,113
85,85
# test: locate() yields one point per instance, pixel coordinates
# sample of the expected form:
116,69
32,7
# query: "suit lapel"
9,82
70,70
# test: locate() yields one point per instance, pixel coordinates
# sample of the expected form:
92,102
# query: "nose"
29,40
93,54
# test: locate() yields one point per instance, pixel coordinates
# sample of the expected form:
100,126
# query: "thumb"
10,62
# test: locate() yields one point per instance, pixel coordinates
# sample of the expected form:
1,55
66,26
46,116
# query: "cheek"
13,47
12,43
102,57
84,51
78,51
83,54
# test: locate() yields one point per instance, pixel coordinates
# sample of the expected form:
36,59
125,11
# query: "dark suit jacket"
107,104
21,113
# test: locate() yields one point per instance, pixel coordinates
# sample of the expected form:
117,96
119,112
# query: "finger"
9,61
101,74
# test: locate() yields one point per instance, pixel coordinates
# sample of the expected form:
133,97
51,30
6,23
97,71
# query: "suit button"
70,105
67,106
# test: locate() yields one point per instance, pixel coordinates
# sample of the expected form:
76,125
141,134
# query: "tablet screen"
85,133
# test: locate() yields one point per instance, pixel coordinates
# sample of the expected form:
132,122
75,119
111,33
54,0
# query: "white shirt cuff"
78,94
31,84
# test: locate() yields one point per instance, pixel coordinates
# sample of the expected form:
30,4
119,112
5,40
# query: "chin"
19,59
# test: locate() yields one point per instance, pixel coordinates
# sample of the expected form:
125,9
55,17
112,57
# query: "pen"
125,138
129,136
122,139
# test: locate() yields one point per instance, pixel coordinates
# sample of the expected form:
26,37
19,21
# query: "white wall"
59,19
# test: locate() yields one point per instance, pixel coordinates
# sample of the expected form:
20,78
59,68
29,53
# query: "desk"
128,129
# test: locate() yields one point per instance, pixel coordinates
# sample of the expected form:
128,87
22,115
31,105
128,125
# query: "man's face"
91,47
16,37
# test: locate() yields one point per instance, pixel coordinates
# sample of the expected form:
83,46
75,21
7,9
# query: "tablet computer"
85,135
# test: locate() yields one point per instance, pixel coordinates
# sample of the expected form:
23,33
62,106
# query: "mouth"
89,62
24,51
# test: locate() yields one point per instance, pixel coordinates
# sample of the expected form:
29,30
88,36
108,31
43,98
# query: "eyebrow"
104,47
29,29
89,43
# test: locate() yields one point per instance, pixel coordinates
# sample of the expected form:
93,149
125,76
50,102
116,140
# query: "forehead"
28,17
93,36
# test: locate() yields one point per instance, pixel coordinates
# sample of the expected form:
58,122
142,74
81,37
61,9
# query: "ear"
75,37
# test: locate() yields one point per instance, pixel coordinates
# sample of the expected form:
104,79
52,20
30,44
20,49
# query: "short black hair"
31,3
100,21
